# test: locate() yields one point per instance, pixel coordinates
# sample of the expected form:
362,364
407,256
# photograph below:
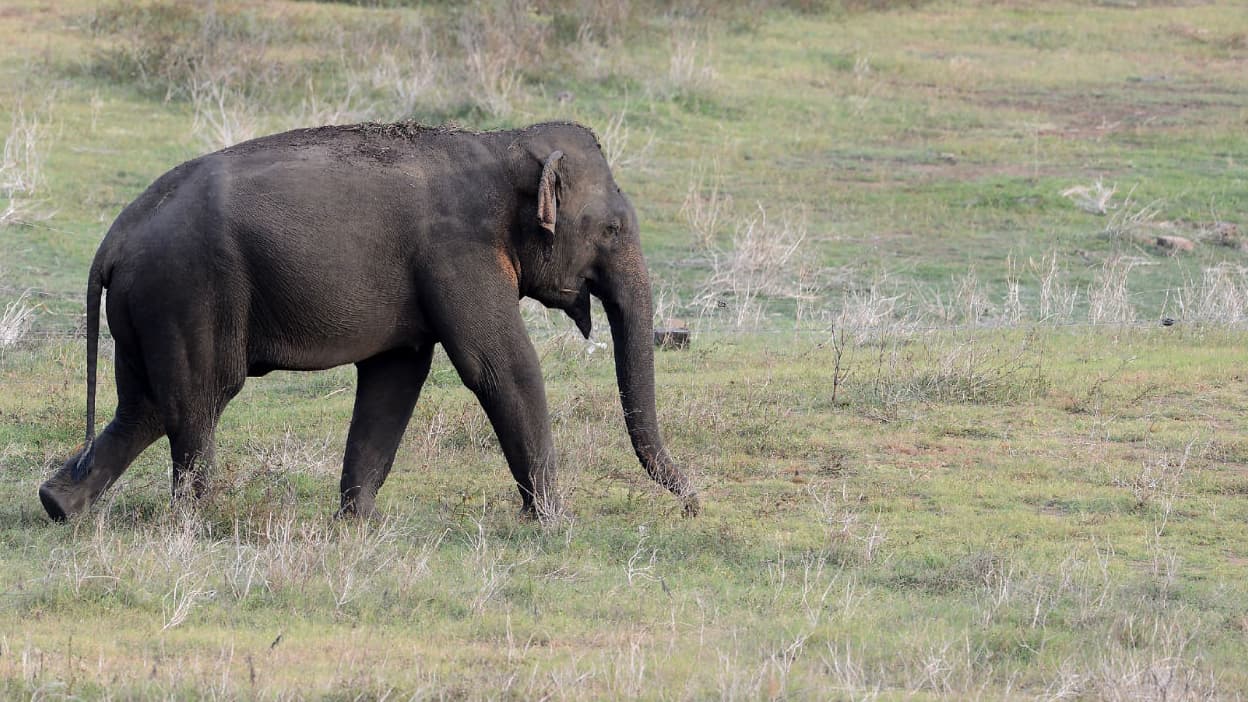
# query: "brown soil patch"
1153,103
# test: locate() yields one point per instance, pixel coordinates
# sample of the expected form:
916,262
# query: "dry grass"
618,146
706,207
1128,220
1094,199
762,263
1133,220
1057,297
21,166
690,65
240,64
223,116
412,75
872,310
17,320
494,48
972,502
970,369
1041,292
188,558
1220,297
866,586
1109,301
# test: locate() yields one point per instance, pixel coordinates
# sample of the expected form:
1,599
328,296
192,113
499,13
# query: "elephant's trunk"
629,312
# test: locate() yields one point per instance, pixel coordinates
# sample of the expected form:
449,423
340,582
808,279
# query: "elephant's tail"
95,289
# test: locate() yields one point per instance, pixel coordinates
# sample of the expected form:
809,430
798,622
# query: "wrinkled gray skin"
365,244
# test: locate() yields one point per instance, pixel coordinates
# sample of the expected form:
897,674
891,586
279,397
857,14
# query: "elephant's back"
311,244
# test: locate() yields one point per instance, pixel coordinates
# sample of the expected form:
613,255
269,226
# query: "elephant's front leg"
504,373
389,385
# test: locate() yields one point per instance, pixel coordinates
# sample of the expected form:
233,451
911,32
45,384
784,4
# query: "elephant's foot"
692,504
344,514
62,498
548,512
358,505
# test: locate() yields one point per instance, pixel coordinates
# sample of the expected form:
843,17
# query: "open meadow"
966,401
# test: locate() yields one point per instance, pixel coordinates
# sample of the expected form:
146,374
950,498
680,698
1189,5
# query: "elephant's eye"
613,228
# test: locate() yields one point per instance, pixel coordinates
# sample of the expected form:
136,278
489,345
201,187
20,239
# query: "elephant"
366,244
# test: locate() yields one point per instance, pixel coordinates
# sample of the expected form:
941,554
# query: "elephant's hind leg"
192,429
388,387
194,376
133,428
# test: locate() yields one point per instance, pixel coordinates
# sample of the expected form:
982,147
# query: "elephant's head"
577,236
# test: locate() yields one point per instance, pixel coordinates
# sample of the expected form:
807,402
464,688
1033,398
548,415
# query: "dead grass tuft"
16,321
21,166
1221,296
949,368
705,207
762,263
1095,199
1109,300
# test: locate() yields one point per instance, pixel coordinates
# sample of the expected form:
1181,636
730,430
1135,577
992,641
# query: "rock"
1175,244
674,334
671,338
1225,234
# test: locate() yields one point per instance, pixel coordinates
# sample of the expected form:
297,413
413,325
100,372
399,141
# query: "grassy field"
946,448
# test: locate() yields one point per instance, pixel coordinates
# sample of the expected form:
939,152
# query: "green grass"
1088,534
992,497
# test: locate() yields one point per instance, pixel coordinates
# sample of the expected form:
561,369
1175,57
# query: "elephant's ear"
547,203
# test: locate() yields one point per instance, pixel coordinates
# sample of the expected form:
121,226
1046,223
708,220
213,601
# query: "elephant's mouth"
578,309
